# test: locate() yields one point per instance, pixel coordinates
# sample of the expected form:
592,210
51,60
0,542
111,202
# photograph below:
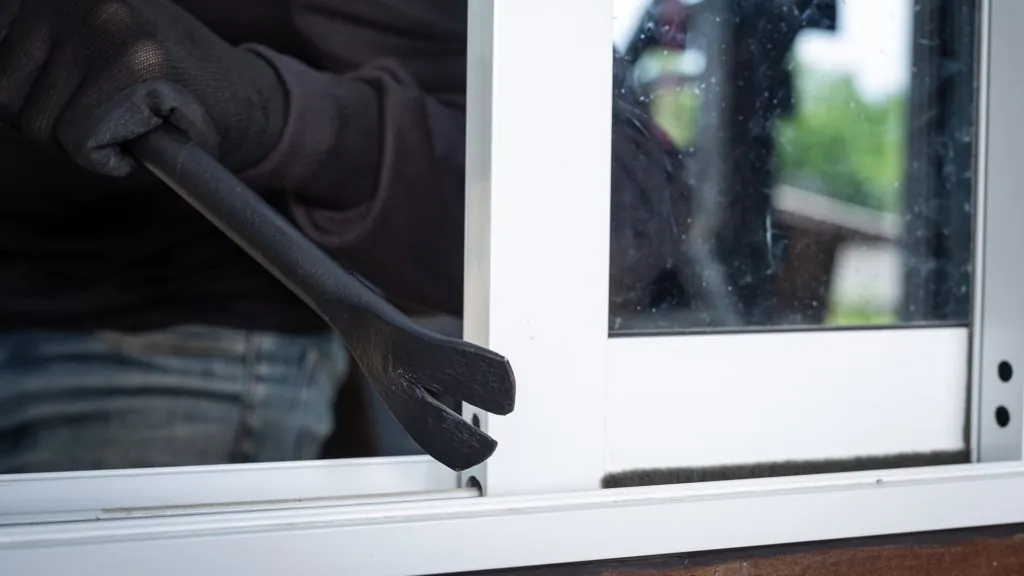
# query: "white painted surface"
548,208
90,494
503,532
705,400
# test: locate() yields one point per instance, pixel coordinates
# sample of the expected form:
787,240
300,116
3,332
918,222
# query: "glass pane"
133,333
791,163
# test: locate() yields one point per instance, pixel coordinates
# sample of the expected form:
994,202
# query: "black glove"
94,74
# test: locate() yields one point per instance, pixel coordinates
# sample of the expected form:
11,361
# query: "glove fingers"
53,88
23,53
93,132
70,61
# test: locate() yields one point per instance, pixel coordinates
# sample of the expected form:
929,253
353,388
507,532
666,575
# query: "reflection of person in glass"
692,222
737,203
134,333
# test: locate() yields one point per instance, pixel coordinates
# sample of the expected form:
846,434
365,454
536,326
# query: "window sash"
590,404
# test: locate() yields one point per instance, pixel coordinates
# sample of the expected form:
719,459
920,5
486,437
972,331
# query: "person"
132,332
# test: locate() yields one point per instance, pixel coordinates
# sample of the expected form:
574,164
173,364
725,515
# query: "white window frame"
556,339
608,404
489,533
36,498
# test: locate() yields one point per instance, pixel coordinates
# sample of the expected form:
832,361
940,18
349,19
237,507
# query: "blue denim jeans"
184,396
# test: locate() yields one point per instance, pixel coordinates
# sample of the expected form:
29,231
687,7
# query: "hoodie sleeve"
372,156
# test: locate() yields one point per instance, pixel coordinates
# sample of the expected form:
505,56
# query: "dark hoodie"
371,166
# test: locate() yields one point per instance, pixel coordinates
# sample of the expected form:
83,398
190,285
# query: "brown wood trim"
980,552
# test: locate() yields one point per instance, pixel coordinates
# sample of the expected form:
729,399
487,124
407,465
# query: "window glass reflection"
791,163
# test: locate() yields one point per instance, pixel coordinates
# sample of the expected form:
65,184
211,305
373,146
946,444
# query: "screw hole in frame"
1005,371
1002,416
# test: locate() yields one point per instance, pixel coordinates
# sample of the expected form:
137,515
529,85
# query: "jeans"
188,395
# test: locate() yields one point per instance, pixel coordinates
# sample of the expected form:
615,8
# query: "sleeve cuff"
332,135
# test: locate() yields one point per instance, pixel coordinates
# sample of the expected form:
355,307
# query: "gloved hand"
94,74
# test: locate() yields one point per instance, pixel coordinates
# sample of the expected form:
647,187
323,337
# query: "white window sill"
501,532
